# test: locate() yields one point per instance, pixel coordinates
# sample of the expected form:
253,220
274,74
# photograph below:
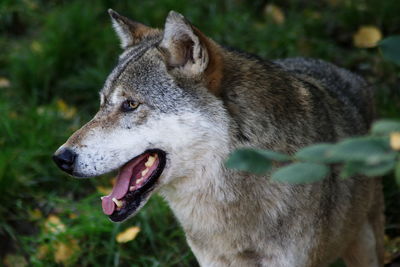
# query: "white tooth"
119,203
138,181
150,161
102,198
144,172
132,188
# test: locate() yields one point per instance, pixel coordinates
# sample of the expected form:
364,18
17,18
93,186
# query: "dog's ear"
189,51
129,32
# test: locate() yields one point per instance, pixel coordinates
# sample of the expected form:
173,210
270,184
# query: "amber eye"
129,105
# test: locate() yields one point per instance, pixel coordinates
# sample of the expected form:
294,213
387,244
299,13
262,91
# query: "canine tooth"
145,171
150,161
132,188
102,198
117,202
138,181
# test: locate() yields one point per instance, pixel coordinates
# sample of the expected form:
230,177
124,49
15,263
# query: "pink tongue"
120,188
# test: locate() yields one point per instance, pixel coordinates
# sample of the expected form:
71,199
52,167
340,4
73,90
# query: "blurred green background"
55,56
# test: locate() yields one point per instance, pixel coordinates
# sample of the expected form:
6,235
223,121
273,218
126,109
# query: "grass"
56,55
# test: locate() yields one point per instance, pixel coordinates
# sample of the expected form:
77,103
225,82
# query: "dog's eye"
129,105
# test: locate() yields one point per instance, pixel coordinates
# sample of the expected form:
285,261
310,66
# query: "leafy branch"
375,154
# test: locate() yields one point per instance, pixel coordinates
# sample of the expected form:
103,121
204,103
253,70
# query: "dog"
177,104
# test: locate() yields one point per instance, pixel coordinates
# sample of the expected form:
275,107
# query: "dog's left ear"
190,52
129,32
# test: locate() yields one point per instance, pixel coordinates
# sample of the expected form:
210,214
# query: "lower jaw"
131,208
136,199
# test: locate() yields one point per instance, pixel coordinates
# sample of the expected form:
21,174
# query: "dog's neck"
213,199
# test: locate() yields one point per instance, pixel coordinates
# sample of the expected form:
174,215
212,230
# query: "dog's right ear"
129,32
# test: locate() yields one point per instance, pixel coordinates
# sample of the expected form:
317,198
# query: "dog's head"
159,113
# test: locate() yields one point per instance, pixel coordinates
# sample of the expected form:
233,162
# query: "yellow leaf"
61,105
54,225
275,13
128,235
35,214
72,216
367,36
64,251
36,47
42,251
13,115
4,82
66,111
395,140
40,110
104,190
70,113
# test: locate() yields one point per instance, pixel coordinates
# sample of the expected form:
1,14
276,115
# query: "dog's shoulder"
347,86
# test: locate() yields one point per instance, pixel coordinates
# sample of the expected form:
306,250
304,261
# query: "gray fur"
233,218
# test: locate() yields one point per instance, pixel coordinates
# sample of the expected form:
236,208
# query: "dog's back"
350,88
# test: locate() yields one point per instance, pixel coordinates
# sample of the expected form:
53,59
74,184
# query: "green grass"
53,50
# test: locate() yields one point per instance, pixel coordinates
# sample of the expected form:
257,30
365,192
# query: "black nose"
65,159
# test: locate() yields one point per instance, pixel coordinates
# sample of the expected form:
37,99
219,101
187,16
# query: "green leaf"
301,172
385,127
247,159
368,149
371,170
397,172
315,153
273,155
390,48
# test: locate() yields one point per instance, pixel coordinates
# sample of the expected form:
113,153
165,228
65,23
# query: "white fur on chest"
221,225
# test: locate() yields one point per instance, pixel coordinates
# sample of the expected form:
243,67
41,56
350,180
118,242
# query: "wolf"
177,104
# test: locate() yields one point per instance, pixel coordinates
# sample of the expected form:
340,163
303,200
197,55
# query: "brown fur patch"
214,71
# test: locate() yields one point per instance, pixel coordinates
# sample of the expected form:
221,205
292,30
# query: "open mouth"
136,179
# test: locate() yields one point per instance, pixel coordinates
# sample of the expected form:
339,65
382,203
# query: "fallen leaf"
70,113
40,110
66,111
65,250
36,47
128,235
4,82
395,140
35,214
13,115
42,251
54,225
61,105
275,13
367,37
